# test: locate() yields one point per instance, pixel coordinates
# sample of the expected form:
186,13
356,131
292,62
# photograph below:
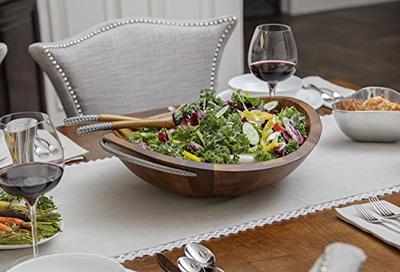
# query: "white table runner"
107,210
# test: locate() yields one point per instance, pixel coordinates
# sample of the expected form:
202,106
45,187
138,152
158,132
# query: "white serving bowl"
369,126
67,262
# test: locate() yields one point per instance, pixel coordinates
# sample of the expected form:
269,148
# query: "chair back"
3,51
130,65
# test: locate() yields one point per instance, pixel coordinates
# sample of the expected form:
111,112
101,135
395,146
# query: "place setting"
276,166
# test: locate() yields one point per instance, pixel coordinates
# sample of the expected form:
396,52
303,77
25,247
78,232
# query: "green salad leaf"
211,130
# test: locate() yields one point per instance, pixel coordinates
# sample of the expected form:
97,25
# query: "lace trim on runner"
252,224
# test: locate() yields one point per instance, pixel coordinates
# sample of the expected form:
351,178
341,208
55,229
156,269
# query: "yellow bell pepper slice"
272,145
267,130
257,116
191,156
4,205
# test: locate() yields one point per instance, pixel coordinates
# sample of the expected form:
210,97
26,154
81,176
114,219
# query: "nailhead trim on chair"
67,82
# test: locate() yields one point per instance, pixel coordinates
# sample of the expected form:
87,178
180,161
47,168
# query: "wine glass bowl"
272,54
31,174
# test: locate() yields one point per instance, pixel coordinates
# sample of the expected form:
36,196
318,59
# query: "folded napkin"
72,151
390,236
323,83
340,257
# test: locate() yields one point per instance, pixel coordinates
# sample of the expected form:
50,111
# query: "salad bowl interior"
201,179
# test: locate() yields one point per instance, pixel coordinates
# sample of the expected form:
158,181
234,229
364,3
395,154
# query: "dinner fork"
382,208
368,216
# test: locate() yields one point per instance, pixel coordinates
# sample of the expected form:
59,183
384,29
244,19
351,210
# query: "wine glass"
272,54
34,170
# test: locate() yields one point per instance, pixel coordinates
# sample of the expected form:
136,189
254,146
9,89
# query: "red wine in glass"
30,180
272,54
273,70
32,174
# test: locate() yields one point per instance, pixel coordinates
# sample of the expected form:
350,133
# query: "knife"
166,264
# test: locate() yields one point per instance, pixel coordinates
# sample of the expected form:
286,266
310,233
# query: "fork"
382,209
368,216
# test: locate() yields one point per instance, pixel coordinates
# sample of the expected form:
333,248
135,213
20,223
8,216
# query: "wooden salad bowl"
214,180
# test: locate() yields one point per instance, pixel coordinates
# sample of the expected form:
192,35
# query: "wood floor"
360,45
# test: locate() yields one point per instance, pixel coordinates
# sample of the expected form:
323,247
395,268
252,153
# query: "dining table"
288,245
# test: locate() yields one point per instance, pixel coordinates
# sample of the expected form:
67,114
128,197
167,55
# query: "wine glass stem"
32,211
272,88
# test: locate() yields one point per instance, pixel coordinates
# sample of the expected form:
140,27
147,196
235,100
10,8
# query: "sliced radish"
222,111
251,133
270,105
246,158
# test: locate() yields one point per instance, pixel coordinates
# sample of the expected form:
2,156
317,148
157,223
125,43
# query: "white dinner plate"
67,262
43,241
311,97
248,82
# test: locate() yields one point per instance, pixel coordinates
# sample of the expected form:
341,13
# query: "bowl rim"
308,145
56,255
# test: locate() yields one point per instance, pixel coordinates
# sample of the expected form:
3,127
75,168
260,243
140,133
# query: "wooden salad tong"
101,122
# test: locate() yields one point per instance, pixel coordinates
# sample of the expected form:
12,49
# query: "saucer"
248,82
311,97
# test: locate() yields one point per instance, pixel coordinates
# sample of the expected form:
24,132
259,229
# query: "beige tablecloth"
107,210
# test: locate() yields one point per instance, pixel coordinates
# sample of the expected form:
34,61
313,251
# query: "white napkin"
340,257
72,151
390,236
323,83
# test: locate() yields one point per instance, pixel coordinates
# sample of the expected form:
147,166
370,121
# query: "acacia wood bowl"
214,180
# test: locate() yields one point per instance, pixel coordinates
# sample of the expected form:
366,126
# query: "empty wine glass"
272,54
31,174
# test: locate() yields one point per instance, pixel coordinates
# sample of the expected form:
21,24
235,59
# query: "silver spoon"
203,255
186,264
329,94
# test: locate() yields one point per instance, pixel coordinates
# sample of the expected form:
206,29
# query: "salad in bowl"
242,129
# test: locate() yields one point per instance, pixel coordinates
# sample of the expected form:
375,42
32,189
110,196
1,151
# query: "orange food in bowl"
377,103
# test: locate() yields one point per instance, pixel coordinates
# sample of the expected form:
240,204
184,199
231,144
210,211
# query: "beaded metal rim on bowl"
230,20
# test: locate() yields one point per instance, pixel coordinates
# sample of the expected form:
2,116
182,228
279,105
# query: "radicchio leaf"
142,145
294,133
163,136
195,146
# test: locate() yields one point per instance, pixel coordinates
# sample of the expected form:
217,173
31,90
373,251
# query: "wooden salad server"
162,122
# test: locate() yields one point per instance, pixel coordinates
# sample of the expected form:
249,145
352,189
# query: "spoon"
186,264
326,94
203,255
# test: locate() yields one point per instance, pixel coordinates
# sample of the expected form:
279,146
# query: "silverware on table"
203,255
19,135
368,216
326,93
166,264
382,208
43,147
187,264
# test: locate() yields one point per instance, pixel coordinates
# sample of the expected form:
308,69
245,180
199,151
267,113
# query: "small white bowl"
251,84
67,262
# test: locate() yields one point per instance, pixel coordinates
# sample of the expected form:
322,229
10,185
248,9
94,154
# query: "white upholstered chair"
129,65
3,51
